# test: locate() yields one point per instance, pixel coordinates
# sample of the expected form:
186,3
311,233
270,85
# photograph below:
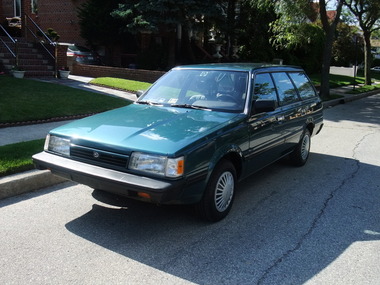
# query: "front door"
266,128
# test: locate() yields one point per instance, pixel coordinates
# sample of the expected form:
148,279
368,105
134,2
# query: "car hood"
164,130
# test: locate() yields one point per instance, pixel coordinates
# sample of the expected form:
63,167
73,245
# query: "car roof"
242,67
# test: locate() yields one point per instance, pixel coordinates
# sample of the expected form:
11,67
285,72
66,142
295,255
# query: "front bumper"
121,183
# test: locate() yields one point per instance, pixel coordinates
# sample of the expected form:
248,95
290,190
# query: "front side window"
305,89
216,90
286,92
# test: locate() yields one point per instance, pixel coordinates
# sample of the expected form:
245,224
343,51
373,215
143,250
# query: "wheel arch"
232,154
236,159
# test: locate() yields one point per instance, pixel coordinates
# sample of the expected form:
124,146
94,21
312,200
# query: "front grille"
99,156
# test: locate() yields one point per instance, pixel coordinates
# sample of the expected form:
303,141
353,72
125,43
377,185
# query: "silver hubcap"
224,191
305,147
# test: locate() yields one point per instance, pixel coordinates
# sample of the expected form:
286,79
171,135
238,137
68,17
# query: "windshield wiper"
189,106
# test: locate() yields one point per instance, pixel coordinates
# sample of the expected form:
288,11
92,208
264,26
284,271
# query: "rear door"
291,106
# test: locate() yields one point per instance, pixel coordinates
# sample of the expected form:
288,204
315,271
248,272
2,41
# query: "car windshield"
217,90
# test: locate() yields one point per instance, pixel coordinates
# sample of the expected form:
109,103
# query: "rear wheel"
219,194
301,153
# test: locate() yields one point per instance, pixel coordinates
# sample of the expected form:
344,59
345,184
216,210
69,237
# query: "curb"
349,98
28,181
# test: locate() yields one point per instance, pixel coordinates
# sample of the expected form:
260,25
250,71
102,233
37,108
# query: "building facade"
60,15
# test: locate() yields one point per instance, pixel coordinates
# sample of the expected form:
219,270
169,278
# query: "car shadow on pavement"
287,225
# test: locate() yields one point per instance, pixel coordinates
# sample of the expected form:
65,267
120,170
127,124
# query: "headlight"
161,165
58,145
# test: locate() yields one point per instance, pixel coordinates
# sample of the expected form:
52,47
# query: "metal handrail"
42,33
14,41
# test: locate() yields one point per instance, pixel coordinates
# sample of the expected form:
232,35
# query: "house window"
34,6
17,8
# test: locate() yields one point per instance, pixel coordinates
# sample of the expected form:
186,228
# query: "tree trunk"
367,58
329,27
326,60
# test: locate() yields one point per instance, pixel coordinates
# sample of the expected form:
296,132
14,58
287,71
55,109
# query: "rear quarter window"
303,84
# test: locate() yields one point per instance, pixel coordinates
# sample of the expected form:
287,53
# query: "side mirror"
261,106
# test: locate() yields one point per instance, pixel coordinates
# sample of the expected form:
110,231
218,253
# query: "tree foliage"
151,15
97,25
346,50
253,32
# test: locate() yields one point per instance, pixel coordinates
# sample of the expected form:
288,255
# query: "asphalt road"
319,224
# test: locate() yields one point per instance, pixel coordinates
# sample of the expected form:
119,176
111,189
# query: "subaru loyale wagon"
192,136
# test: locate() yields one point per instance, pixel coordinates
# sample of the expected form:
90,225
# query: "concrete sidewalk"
36,179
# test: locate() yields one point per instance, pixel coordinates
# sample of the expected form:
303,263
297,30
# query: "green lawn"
122,84
27,100
15,158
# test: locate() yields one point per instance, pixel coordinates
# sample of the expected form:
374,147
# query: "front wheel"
219,194
301,153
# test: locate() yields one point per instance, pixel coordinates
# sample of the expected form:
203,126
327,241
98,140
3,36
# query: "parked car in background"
192,136
83,55
376,68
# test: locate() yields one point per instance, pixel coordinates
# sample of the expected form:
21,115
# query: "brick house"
60,15
24,20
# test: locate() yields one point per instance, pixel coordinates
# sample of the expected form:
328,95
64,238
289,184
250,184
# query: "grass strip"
29,100
15,158
336,80
362,89
121,84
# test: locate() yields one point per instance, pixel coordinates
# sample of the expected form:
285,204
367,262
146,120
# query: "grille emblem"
95,154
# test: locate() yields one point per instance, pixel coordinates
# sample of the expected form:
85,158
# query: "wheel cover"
224,191
305,147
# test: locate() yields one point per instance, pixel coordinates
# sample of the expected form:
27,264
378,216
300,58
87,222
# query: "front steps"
33,60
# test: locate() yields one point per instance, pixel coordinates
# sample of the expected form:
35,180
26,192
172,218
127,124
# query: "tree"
367,13
97,26
253,31
174,19
347,48
293,15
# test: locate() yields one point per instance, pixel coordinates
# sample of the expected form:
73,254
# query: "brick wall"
60,15
6,10
118,72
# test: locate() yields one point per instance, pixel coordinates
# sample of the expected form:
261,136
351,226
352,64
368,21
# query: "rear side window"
264,87
305,89
285,88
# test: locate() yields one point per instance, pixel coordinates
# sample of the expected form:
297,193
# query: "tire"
301,153
219,193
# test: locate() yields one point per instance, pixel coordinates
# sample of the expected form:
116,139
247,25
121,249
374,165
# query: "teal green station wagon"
192,136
